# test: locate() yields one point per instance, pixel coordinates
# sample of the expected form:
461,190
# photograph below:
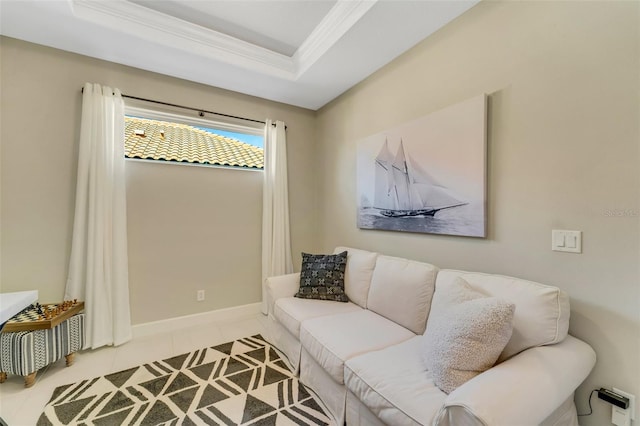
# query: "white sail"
432,194
403,187
436,197
401,180
384,196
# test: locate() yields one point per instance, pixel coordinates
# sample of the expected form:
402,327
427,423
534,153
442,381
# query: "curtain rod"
200,111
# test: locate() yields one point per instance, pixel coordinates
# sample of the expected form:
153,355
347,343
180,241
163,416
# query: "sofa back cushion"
357,276
401,290
542,312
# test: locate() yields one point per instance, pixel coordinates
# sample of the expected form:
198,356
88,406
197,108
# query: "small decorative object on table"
42,317
40,335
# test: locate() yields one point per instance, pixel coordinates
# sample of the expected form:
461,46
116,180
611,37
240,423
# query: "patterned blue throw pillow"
322,277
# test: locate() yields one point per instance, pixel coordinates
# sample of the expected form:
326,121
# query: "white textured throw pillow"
465,334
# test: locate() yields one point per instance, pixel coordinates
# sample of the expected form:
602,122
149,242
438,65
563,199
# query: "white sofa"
364,358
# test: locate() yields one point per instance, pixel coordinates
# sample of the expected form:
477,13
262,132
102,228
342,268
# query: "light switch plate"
565,240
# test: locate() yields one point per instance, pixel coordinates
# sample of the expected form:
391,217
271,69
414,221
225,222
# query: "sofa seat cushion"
394,384
291,311
332,340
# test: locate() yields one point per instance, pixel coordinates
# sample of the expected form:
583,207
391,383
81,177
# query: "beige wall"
563,80
189,228
562,154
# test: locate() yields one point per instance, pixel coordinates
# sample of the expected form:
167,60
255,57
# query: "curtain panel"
276,242
98,266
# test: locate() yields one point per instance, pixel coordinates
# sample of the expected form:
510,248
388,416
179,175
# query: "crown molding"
148,24
340,19
342,50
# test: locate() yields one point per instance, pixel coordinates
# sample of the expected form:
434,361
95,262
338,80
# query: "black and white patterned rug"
244,382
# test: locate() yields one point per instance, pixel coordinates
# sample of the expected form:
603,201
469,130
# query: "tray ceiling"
303,53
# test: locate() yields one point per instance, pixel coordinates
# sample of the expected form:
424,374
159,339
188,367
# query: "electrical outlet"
632,403
200,295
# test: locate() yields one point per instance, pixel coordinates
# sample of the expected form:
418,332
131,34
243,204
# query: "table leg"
3,376
70,358
30,380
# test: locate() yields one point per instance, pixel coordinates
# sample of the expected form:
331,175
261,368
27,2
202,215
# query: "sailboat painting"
428,175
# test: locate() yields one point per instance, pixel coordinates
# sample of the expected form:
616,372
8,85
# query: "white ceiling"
300,52
280,26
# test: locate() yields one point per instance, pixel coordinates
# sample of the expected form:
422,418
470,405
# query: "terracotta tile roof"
162,140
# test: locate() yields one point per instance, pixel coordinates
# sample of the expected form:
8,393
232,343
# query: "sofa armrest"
526,388
281,286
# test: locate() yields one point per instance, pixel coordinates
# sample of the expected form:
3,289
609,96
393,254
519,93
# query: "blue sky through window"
250,139
254,140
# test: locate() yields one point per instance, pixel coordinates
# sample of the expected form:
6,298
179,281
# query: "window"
161,136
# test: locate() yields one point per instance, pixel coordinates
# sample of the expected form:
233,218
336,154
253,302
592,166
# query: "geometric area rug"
244,382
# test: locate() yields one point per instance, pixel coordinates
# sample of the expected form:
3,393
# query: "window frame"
231,125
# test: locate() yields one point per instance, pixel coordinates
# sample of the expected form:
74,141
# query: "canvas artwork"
428,175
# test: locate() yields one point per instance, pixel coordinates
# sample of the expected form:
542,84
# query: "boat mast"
402,180
384,183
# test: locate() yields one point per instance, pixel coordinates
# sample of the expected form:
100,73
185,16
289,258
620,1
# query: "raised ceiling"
281,26
303,53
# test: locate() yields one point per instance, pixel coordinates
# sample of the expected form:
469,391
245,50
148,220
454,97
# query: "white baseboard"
172,324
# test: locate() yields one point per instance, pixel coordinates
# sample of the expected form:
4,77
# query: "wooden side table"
26,352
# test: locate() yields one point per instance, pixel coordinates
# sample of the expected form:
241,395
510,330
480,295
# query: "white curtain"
98,268
276,244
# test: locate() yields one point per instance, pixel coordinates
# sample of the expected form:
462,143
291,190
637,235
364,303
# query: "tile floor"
22,407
